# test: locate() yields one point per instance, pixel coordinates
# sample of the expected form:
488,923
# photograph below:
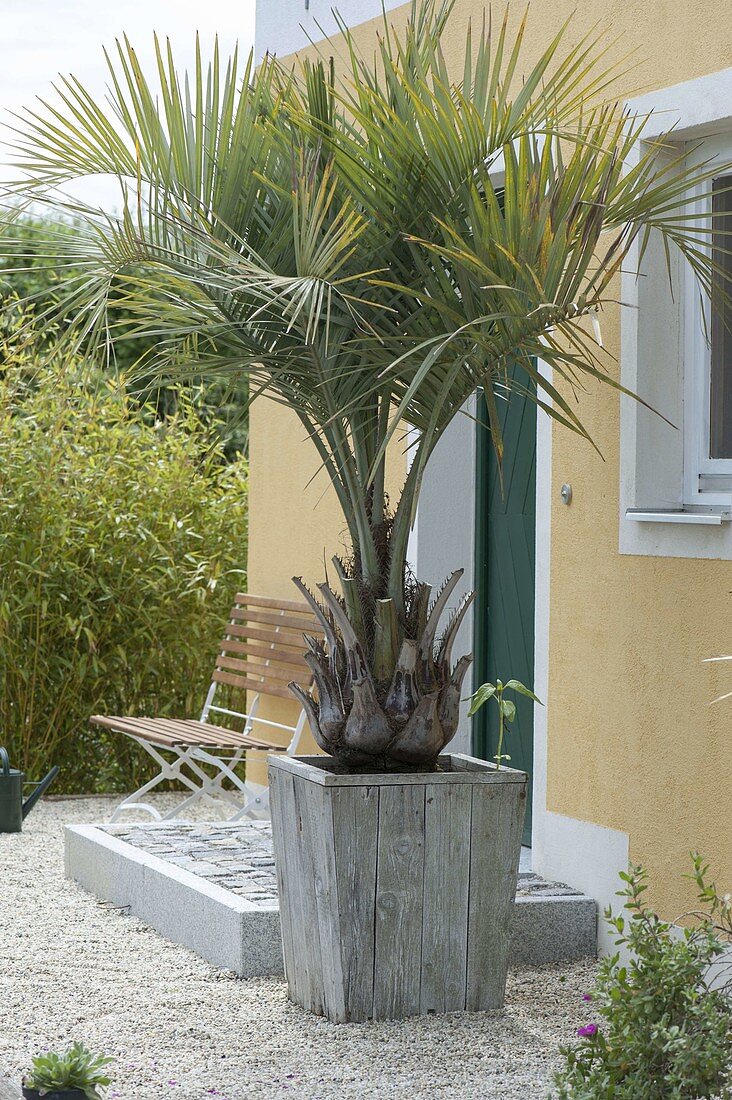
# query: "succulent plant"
77,1068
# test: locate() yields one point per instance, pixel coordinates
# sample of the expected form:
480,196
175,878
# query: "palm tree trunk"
388,694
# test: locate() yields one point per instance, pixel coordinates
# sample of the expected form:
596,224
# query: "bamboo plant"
371,247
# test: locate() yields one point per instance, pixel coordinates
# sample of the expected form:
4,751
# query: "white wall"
444,535
283,26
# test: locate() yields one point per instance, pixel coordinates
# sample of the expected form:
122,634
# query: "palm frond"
344,239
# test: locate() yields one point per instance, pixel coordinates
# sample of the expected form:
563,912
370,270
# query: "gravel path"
72,968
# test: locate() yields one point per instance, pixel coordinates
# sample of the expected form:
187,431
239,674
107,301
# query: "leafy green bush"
657,1030
121,542
31,268
77,1068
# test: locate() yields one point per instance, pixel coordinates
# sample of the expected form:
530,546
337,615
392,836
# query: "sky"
42,38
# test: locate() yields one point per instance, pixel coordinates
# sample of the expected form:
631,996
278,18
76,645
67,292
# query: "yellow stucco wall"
632,742
295,522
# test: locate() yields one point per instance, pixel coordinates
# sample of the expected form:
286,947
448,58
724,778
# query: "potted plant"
372,247
77,1074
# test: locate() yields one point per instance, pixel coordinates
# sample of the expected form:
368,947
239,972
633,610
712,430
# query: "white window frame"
698,465
663,510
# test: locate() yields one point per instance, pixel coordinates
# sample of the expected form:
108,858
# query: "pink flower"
586,996
587,1032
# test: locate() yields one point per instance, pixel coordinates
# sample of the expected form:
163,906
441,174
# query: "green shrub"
655,1029
31,268
121,543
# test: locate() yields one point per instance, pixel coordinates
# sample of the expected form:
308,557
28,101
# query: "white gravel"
71,968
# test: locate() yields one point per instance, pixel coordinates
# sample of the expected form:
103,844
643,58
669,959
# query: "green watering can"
12,807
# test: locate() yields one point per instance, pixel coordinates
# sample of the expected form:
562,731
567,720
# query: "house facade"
603,580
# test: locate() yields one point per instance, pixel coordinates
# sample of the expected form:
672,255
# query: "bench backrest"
263,647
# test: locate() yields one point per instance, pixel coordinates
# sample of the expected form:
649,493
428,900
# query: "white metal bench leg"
208,787
256,795
225,770
167,771
257,803
129,804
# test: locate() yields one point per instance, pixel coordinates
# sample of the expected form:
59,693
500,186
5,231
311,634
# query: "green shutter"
505,577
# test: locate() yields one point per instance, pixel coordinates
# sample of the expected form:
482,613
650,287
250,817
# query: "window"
676,350
720,413
708,344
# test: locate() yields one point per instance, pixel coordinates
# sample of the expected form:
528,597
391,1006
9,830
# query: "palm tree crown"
370,247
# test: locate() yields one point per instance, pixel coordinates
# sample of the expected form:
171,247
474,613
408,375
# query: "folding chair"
260,654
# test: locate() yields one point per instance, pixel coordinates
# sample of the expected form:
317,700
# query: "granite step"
211,886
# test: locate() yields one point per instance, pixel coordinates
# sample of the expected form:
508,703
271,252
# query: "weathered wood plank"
497,818
285,833
355,832
462,763
282,657
277,782
267,634
274,619
398,910
446,892
9,1090
245,684
255,669
267,601
326,775
320,896
307,945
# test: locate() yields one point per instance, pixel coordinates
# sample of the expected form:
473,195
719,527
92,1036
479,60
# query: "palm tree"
344,238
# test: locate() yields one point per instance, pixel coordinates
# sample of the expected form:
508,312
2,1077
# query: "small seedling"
76,1068
506,708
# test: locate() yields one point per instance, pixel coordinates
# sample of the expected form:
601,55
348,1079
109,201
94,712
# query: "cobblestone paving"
238,856
536,886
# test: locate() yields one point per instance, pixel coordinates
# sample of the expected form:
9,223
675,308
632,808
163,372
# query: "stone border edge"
223,928
231,934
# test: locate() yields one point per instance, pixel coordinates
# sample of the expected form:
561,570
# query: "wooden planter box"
396,890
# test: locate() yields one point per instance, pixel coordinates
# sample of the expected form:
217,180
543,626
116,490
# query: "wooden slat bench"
262,651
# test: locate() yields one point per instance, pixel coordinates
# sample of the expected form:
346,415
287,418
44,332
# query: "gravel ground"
71,968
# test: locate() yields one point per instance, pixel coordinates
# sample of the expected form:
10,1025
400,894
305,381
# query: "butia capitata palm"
370,247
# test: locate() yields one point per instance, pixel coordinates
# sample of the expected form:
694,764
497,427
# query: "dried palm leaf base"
387,695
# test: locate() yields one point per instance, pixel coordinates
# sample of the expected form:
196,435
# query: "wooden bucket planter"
396,890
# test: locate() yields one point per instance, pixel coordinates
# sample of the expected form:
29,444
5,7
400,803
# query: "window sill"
670,515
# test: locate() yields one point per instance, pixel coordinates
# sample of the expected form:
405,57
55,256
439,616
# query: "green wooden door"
505,579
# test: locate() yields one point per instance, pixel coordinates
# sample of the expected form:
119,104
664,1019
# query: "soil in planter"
444,765
63,1094
374,769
